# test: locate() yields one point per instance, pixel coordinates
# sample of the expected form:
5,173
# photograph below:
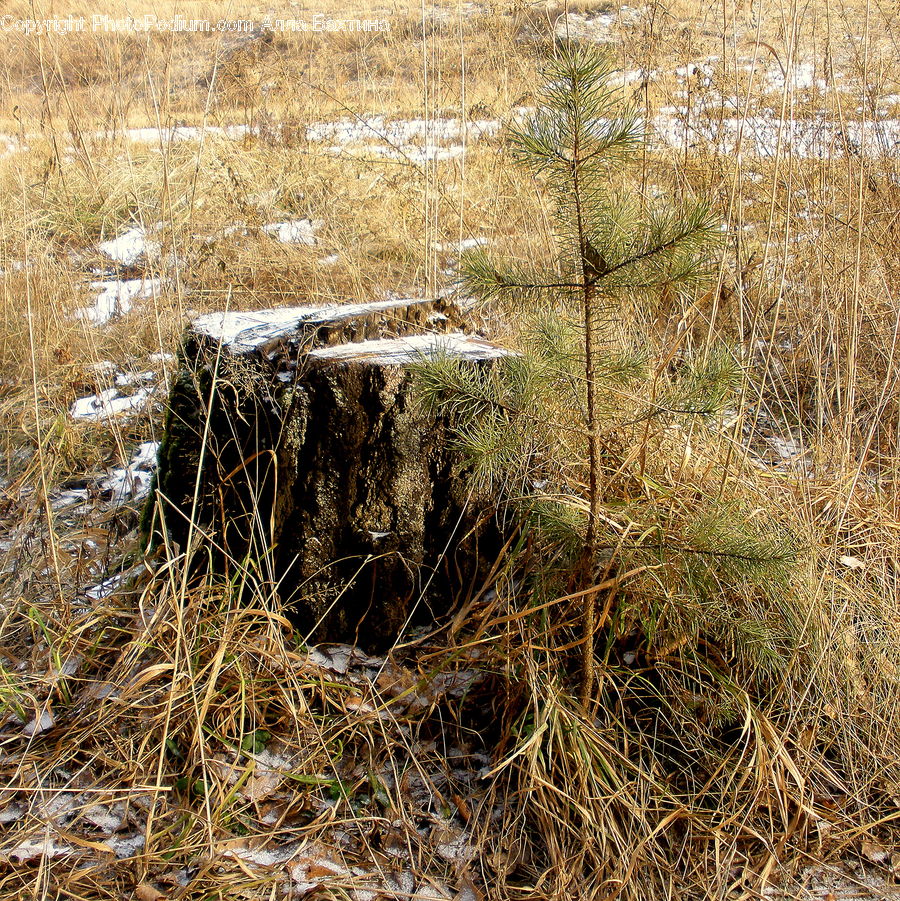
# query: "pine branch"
667,238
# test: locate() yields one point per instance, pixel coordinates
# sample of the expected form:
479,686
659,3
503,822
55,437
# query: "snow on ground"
132,482
401,131
697,123
132,246
757,134
416,155
460,246
414,140
121,393
596,27
109,403
14,266
116,298
763,134
178,133
294,231
104,589
291,231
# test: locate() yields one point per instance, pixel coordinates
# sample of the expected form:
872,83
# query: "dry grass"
163,694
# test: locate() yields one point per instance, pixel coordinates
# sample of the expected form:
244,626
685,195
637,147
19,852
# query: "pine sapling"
612,249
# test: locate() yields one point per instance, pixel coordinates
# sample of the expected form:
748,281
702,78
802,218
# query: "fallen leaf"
39,724
147,892
468,891
452,844
32,849
874,852
355,704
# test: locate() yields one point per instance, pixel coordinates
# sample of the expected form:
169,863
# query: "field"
160,739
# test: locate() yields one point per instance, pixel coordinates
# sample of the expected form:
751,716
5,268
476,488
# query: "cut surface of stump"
294,444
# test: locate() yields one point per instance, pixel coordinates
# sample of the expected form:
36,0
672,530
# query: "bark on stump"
317,469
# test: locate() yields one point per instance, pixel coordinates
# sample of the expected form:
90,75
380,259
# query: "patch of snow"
433,892
238,229
422,140
317,658
116,298
68,497
131,245
126,379
400,351
313,869
414,140
103,367
403,883
594,28
262,857
104,589
144,456
13,266
787,449
244,332
460,246
702,73
455,684
178,133
10,144
126,845
400,132
340,658
105,818
12,813
295,231
630,76
109,403
840,882
133,481
71,666
759,135
798,77
417,155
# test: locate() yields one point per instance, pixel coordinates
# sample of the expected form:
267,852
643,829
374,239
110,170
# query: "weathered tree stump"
294,442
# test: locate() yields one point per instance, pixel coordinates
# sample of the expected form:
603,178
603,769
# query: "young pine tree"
562,401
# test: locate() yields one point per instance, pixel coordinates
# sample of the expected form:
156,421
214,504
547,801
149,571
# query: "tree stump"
293,441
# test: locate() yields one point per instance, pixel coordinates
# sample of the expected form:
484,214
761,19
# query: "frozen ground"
707,114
